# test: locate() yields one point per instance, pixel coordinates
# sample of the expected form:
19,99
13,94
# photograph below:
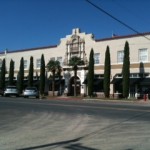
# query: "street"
27,124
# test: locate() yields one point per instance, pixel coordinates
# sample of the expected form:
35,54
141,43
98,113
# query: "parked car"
11,91
1,92
31,92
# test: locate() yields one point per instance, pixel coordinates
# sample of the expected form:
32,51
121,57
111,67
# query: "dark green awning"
116,80
96,81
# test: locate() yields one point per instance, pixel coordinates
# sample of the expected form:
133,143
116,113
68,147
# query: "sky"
37,23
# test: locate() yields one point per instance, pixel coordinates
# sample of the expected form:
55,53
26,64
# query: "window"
38,63
120,56
52,58
74,55
96,58
143,55
60,60
74,47
25,64
14,64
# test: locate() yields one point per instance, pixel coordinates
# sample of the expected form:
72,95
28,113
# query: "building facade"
80,44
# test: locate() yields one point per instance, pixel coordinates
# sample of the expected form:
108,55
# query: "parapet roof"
123,36
97,40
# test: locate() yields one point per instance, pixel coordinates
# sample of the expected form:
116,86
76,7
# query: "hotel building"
80,44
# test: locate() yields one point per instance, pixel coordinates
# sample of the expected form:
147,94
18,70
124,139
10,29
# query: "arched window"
74,46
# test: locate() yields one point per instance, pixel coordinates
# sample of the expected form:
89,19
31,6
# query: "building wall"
115,44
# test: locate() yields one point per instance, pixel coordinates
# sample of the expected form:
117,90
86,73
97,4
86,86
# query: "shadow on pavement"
75,143
71,146
78,146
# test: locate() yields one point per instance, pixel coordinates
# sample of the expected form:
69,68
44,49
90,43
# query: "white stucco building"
80,44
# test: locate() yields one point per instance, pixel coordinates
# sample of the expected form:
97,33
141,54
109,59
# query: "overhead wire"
116,19
131,12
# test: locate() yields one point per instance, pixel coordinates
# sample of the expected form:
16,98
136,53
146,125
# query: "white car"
31,92
11,91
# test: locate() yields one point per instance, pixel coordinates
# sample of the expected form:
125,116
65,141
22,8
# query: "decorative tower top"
76,31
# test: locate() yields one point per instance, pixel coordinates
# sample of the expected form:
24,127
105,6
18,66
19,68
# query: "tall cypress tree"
11,73
2,75
91,74
107,72
42,75
31,70
126,71
20,79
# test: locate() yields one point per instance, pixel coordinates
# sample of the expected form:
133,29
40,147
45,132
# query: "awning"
61,81
145,81
116,80
96,81
25,82
85,81
134,81
36,82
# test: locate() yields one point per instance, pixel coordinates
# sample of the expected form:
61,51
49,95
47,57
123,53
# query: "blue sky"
36,23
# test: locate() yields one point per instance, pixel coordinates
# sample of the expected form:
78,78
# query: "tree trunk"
59,82
75,68
53,83
75,83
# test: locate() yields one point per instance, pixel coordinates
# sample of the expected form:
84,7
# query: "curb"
147,102
141,101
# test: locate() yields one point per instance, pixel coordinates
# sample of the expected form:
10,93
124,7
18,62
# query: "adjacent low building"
80,44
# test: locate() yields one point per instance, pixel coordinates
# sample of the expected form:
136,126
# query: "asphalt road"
31,124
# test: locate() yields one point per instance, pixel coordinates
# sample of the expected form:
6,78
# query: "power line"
131,12
121,22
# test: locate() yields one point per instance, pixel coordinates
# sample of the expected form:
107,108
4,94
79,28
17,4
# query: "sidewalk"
133,101
64,98
68,98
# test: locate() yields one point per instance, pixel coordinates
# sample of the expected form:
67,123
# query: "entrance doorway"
72,86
